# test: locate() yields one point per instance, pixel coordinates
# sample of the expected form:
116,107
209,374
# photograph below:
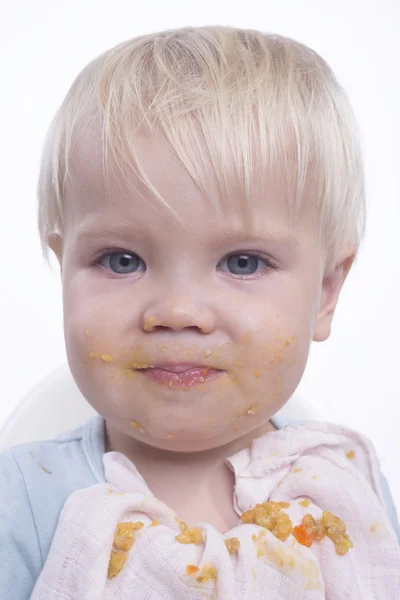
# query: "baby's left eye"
243,264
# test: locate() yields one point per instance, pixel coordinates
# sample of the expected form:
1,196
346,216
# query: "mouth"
182,375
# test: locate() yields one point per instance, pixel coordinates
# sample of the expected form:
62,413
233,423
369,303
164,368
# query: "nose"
177,313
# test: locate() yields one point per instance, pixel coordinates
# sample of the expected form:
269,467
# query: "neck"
196,485
199,464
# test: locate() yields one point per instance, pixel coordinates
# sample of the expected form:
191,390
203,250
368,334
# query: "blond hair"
256,100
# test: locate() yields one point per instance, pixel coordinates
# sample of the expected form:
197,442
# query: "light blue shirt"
35,481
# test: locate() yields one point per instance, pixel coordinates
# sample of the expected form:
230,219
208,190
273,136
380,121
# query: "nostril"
161,328
179,317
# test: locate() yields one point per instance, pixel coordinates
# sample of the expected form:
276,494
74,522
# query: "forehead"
94,194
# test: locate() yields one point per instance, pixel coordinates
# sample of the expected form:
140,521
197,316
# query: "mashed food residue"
122,543
233,545
207,573
189,535
271,516
330,526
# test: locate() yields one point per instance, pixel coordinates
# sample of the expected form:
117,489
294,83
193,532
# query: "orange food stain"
154,523
137,425
257,373
302,535
208,573
232,545
190,535
306,502
252,410
269,516
128,373
329,526
117,561
40,465
123,537
94,354
182,524
374,527
297,470
170,383
106,357
350,454
169,436
149,323
191,569
281,555
277,356
122,543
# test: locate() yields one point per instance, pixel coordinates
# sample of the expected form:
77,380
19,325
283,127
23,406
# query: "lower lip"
186,378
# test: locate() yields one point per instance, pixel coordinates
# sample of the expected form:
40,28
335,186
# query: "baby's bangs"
220,101
256,108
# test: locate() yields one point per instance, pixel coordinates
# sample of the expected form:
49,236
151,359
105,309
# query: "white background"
43,45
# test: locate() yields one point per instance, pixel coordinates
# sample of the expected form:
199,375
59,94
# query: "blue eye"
242,264
122,263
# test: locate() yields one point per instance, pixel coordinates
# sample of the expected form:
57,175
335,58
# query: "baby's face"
185,337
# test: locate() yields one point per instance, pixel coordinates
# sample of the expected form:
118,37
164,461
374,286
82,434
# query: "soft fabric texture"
303,461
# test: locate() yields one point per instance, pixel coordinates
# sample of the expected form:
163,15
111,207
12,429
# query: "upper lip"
176,367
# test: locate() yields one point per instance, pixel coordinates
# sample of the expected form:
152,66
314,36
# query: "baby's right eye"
122,262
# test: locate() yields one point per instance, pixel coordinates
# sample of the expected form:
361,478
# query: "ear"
55,243
331,287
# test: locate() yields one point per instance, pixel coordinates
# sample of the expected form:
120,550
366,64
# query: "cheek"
91,320
272,363
279,342
88,339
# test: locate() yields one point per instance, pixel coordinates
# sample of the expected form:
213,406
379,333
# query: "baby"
203,192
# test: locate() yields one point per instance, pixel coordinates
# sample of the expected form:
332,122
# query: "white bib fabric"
332,466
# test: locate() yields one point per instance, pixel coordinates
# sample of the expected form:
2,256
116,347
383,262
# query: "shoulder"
36,479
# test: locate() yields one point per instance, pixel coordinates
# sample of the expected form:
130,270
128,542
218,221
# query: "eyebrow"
92,228
271,236
98,227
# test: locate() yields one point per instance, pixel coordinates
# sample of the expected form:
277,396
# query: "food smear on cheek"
136,425
125,366
106,358
277,355
250,410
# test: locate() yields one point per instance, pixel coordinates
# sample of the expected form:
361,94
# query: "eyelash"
269,265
